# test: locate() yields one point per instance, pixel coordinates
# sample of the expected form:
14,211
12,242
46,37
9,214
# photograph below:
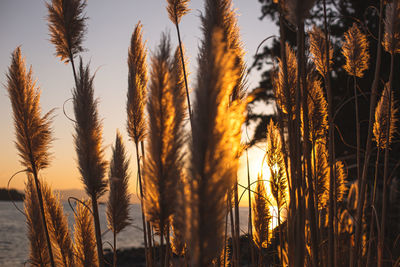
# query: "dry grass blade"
355,50
317,49
285,101
381,119
391,39
88,136
67,27
38,253
85,240
33,131
216,143
164,157
262,217
58,228
177,9
118,200
137,82
178,224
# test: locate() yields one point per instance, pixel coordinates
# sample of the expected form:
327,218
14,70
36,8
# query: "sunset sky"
110,25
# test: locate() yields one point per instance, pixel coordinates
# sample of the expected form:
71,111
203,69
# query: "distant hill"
11,194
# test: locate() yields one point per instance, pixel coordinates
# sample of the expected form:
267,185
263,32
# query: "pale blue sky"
110,25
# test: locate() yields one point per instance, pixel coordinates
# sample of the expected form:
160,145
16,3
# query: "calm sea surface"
14,245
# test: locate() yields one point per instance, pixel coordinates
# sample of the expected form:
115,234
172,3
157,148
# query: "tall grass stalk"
391,45
88,146
354,256
176,10
32,130
136,100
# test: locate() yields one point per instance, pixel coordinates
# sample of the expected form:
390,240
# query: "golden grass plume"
381,119
317,109
66,23
164,146
261,215
38,253
137,82
391,39
220,13
216,143
355,50
317,50
32,130
177,9
88,136
84,237
286,102
320,172
58,228
341,180
118,199
276,164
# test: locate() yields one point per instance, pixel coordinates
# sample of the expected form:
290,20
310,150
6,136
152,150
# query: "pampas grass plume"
88,136
85,240
317,50
118,200
355,50
177,9
262,217
286,102
32,130
391,39
160,168
38,253
66,23
137,82
381,119
58,228
216,143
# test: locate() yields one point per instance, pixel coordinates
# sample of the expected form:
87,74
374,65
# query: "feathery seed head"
320,173
57,224
391,39
164,145
32,130
317,49
276,164
216,142
285,97
341,177
137,82
355,50
88,135
317,109
85,240
381,119
177,9
66,23
261,215
118,200
38,253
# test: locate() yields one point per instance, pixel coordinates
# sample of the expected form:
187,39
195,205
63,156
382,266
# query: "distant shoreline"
11,195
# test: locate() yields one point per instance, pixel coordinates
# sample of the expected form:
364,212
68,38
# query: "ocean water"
14,245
